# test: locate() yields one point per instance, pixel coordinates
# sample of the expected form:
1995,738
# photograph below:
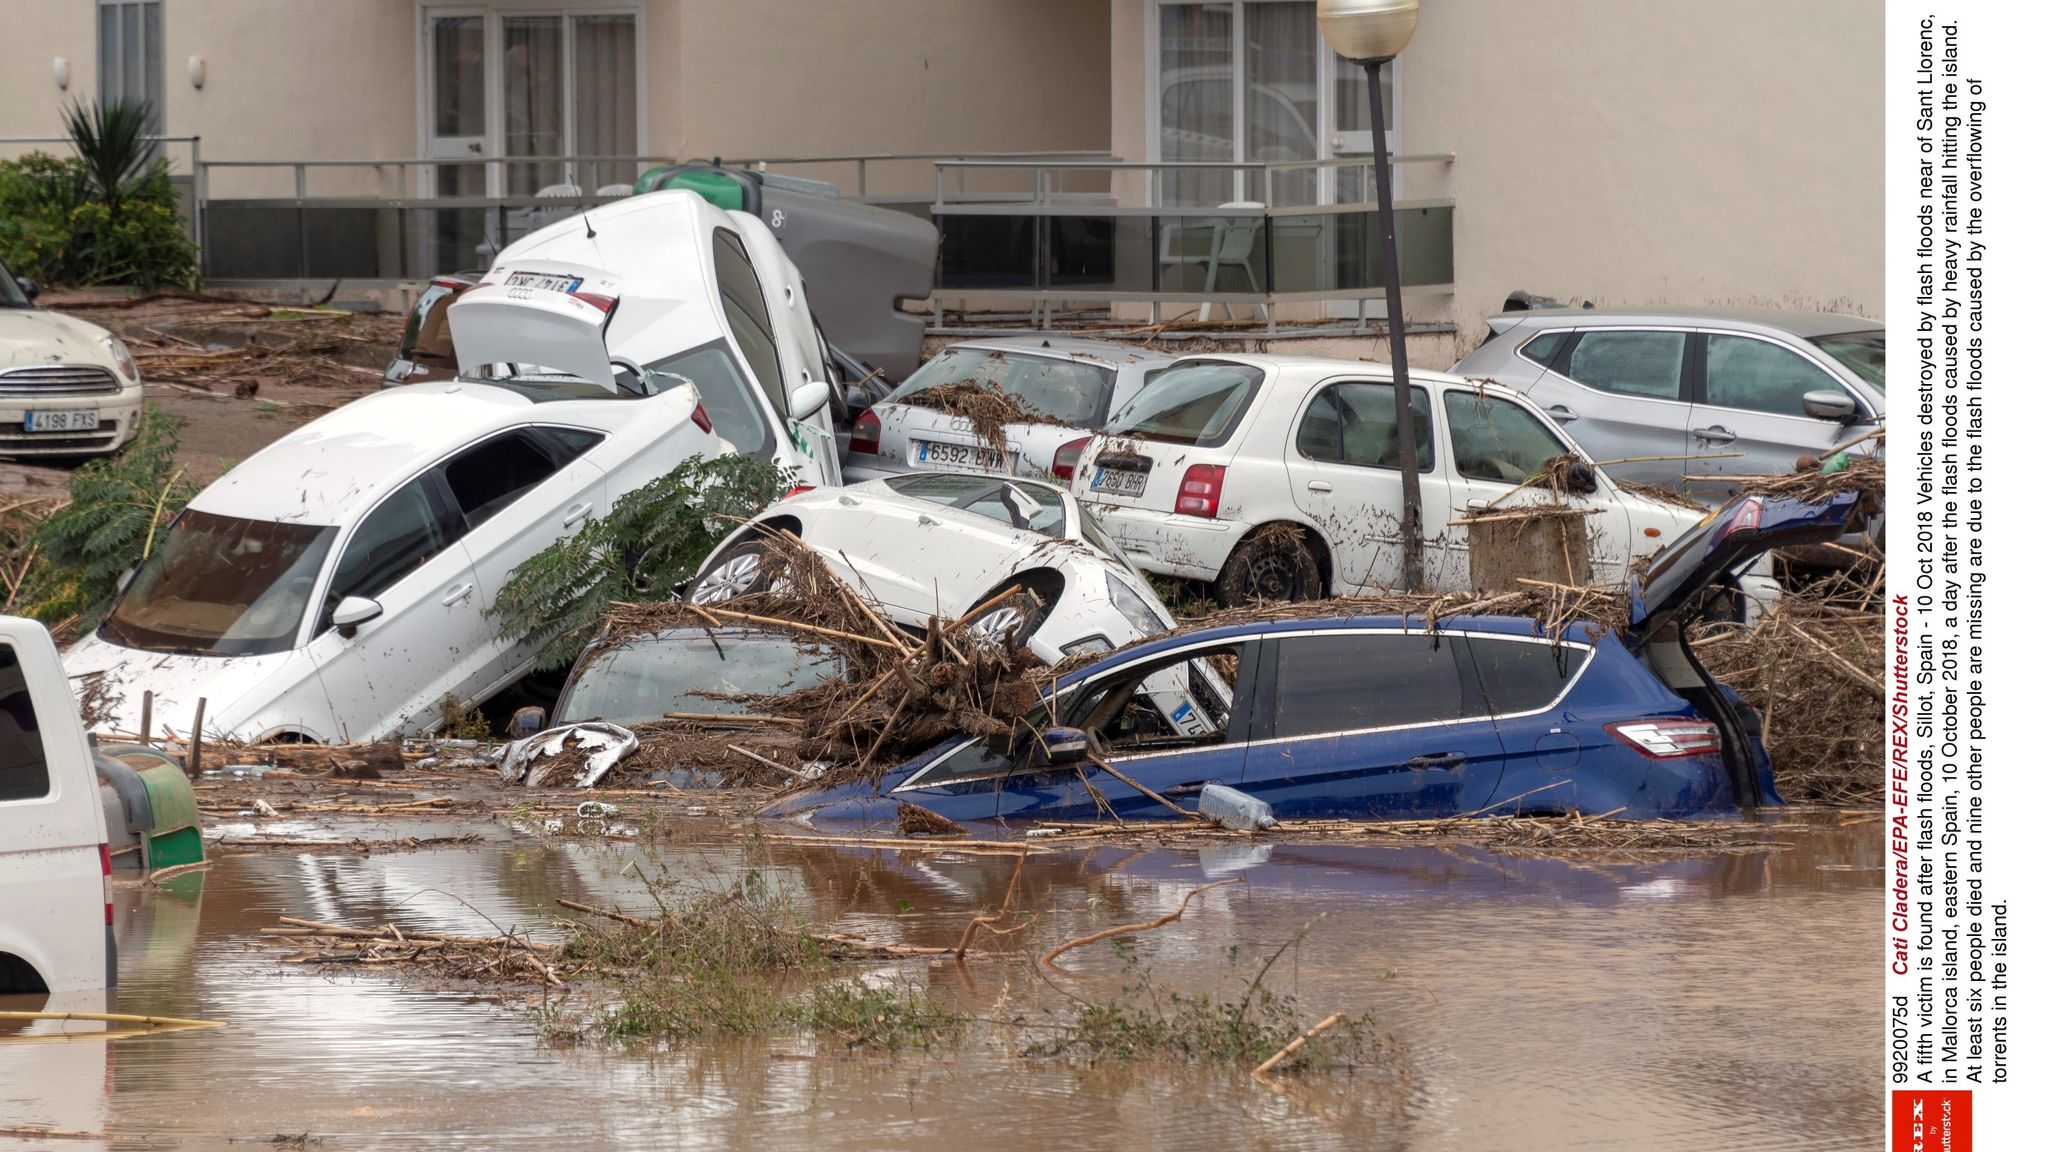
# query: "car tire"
738,572
1272,563
1008,617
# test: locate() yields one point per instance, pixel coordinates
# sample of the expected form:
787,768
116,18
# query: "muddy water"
1709,1002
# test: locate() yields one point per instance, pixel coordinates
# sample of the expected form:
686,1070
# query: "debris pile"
232,347
985,407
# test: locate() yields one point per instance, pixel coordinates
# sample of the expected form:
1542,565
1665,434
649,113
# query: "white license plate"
545,281
937,455
62,420
1118,482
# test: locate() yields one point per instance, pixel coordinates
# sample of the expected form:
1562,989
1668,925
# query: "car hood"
228,684
39,336
1743,529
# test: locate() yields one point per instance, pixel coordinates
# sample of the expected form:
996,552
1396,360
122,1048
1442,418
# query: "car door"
1751,401
1371,724
1522,680
1497,442
1620,392
515,494
1344,470
401,554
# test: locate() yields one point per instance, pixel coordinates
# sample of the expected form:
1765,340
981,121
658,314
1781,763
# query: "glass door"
457,129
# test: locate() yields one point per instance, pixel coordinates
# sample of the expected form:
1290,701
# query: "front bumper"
119,412
1169,544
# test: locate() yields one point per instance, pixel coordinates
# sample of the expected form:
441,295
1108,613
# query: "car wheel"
1008,619
740,572
1273,563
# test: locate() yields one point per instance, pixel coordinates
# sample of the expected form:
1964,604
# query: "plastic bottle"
1235,810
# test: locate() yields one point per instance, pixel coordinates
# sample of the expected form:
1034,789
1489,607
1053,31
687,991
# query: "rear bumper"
1169,544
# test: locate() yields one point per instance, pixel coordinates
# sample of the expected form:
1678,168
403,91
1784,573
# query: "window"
1862,352
1196,403
1544,348
1521,676
644,679
727,395
1494,439
1353,423
1067,391
1761,377
24,773
489,477
746,309
399,536
1179,703
1343,682
221,585
569,443
1014,504
131,52
1648,364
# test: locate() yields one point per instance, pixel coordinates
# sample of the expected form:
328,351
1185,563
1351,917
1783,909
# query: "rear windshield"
221,586
1195,403
642,681
1861,352
426,329
24,775
1071,392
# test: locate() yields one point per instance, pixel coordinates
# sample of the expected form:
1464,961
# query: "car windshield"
11,295
1189,404
1033,507
221,586
1069,392
1861,352
644,680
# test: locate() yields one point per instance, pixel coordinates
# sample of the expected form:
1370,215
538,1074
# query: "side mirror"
29,288
355,611
808,398
1579,479
1059,747
1835,406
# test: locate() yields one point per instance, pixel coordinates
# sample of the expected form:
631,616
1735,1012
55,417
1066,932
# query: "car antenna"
589,233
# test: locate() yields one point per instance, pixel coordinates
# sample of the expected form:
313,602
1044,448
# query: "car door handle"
1437,761
576,515
1562,414
1714,435
1478,504
1319,486
457,593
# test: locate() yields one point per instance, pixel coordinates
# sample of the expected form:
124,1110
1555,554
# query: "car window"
24,773
1014,505
1353,423
1544,347
1183,702
569,443
489,477
397,537
1863,352
1068,392
746,309
426,329
1523,676
1342,682
1496,439
1759,376
1194,403
643,680
221,584
1650,364
728,398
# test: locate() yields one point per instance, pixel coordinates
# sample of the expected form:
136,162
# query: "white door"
457,129
389,674
1344,466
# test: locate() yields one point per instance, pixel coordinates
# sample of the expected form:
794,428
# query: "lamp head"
1367,29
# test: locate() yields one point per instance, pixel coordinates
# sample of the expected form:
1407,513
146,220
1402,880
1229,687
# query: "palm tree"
113,141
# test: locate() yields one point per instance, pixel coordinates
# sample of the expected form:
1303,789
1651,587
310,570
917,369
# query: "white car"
67,388
335,585
923,552
56,878
654,290
1073,384
1197,470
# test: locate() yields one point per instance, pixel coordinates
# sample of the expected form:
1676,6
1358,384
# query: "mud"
1704,1001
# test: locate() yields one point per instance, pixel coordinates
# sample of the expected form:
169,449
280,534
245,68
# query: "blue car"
1376,717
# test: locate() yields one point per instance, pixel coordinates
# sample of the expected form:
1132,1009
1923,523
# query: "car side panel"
397,667
1615,426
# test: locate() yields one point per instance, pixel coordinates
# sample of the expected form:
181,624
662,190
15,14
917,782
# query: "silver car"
1070,386
1693,397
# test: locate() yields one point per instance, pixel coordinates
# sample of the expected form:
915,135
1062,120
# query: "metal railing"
861,163
580,172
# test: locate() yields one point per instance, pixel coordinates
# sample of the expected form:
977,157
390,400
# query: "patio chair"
1231,241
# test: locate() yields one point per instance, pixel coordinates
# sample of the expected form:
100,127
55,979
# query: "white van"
56,881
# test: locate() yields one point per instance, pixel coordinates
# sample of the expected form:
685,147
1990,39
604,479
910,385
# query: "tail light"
1201,491
1068,458
603,304
451,283
1668,739
867,434
797,490
1747,518
107,881
701,417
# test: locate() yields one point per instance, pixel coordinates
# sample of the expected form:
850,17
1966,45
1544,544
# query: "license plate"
62,420
972,456
545,281
1118,482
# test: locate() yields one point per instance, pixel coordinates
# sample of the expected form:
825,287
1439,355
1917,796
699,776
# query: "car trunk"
539,314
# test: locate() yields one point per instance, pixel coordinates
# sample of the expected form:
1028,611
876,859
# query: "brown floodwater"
1704,1002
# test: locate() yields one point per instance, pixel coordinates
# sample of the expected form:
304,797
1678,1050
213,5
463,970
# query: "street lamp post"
1372,32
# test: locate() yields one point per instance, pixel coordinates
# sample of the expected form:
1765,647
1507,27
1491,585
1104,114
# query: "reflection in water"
1704,1002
